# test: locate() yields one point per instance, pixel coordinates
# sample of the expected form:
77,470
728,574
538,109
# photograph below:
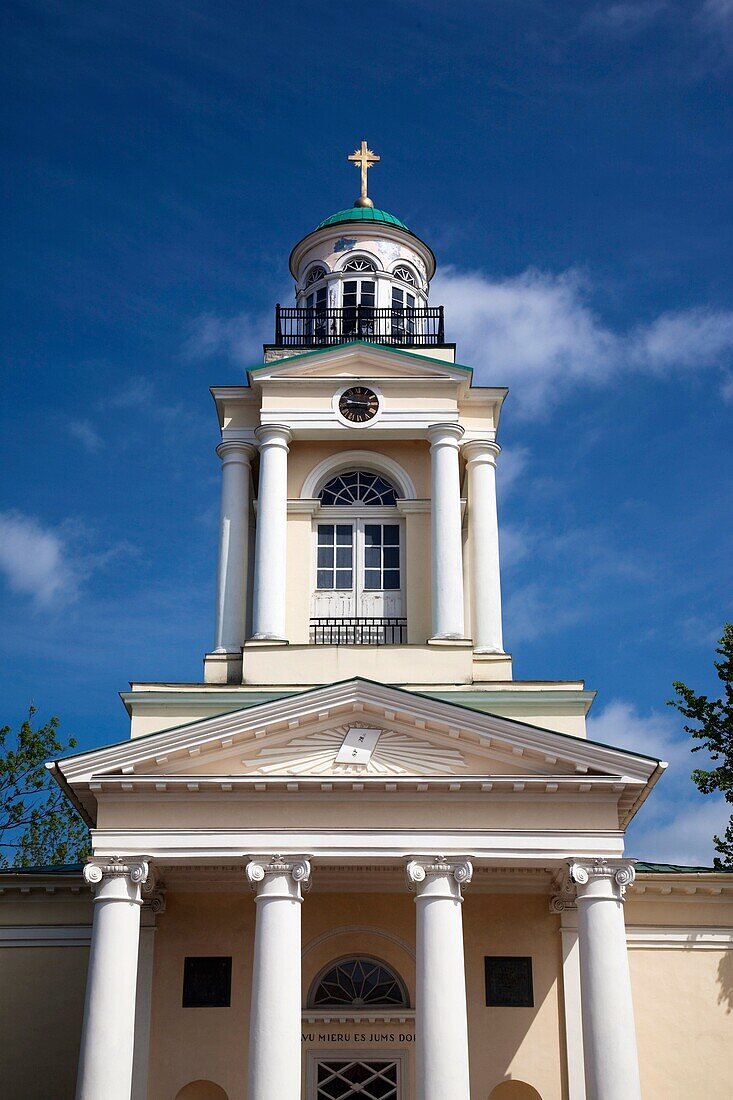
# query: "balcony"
301,327
358,631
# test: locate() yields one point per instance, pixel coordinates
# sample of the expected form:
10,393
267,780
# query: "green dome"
363,214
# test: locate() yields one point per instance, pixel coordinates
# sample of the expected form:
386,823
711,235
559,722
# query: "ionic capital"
115,878
279,876
438,877
601,878
153,893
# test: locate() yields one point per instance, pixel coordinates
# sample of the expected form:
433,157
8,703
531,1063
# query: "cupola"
361,274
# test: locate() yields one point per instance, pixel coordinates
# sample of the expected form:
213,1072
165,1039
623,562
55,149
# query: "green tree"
38,824
714,731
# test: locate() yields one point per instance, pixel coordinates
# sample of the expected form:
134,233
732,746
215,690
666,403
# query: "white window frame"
358,1054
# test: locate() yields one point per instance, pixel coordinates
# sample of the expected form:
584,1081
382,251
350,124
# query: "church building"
358,860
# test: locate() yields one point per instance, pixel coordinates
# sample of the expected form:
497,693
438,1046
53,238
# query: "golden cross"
364,158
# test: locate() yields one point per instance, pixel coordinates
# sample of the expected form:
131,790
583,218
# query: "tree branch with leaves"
714,731
38,824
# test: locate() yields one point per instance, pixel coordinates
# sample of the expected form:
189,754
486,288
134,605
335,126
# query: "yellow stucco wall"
42,1003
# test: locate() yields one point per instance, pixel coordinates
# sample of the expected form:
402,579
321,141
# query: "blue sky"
571,165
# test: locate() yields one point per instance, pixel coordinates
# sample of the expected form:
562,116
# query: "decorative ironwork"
353,630
358,487
367,1080
405,275
358,982
357,264
298,326
315,275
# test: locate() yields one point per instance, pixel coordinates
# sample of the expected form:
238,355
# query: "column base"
223,667
450,639
266,639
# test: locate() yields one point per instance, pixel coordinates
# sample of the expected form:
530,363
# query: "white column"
562,902
231,585
609,1036
105,1060
268,612
447,542
153,897
274,1062
483,534
441,1019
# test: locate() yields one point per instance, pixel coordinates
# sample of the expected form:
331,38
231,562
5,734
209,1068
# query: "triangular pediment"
360,360
312,732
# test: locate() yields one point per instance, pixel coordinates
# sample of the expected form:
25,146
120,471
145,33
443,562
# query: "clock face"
358,404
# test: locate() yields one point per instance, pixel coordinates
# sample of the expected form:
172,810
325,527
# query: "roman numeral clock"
358,404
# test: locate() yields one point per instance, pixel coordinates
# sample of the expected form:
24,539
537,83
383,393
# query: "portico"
259,805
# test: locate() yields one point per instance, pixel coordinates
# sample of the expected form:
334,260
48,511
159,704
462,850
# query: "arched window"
358,264
405,275
315,275
358,982
358,487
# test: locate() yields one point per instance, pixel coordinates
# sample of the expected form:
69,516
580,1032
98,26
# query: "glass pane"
372,579
367,294
343,558
325,578
372,557
321,298
391,578
327,496
325,557
373,534
391,557
397,298
343,578
343,534
325,534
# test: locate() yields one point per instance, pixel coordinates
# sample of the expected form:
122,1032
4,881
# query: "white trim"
490,846
372,461
46,935
670,937
358,930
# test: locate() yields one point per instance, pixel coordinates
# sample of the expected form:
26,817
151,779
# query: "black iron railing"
301,327
358,631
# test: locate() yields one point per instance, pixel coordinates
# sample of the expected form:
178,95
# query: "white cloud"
656,734
511,464
35,560
676,824
538,331
623,18
239,338
84,433
678,832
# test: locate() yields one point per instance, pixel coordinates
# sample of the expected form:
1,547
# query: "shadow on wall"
514,1090
201,1090
725,978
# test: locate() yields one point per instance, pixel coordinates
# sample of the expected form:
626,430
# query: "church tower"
358,730
359,524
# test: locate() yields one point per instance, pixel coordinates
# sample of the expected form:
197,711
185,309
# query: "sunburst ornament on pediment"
393,753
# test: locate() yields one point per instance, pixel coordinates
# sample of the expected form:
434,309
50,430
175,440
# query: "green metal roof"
363,214
672,869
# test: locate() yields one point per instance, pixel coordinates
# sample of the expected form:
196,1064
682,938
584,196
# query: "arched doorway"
201,1090
514,1090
